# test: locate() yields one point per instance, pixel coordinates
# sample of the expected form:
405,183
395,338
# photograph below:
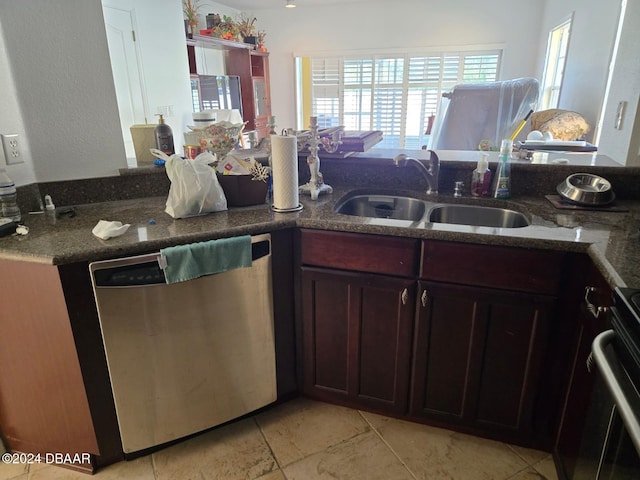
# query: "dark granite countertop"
610,238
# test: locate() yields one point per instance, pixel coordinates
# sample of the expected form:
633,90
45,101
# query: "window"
554,65
393,93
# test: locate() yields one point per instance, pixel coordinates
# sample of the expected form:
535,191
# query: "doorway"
128,74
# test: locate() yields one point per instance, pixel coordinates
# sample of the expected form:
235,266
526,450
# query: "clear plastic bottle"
502,181
481,178
8,198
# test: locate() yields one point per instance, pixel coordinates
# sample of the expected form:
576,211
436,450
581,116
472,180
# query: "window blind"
393,93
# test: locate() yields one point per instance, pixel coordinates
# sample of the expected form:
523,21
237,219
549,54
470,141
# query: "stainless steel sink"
383,206
400,207
477,216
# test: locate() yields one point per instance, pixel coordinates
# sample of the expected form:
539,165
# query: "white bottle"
481,178
8,198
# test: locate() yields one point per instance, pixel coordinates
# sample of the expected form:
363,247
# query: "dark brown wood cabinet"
357,338
585,324
479,320
357,319
482,337
478,357
253,69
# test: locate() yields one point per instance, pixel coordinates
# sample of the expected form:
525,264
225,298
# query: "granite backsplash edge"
144,182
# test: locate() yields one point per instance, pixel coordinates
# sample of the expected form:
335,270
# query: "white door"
127,70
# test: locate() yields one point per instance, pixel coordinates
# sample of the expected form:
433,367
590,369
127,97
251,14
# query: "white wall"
212,61
57,55
623,144
403,24
590,44
11,121
214,7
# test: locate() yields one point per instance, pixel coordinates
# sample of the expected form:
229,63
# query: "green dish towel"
186,262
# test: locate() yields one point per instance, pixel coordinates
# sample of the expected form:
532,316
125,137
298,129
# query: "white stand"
316,185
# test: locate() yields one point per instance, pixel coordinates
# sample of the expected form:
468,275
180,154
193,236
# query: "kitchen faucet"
430,174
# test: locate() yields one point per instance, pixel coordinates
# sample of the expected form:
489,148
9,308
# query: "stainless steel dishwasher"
187,356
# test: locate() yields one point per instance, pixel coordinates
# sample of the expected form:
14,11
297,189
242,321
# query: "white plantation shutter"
392,93
358,86
480,68
389,99
450,70
326,78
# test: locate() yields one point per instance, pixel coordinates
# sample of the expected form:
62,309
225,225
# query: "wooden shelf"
215,42
251,66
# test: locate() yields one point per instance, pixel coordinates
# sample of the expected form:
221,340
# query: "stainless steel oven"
610,447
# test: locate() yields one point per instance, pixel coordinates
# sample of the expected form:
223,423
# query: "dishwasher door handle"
149,267
260,247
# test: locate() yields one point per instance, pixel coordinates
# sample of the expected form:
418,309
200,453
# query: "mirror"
216,92
268,15
260,94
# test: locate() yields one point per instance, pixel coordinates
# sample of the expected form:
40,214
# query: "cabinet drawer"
360,252
507,268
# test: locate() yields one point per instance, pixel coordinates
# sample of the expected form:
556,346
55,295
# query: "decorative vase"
193,24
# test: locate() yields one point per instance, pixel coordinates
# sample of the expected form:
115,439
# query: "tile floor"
307,440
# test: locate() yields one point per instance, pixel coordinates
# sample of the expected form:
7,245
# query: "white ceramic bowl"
219,138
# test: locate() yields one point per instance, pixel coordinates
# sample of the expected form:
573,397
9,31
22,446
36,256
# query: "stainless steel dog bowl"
586,189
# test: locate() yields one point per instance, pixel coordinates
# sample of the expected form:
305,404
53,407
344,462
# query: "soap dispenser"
164,137
481,178
502,181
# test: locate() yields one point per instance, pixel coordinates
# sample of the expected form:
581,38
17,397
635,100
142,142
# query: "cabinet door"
585,327
478,354
357,338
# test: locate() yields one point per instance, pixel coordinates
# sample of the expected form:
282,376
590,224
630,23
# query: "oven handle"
622,405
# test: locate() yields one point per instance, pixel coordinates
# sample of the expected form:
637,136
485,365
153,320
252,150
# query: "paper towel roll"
284,164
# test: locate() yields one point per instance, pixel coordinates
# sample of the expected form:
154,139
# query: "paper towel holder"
316,186
294,180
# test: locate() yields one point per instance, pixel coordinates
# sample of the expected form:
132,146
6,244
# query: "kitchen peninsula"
45,282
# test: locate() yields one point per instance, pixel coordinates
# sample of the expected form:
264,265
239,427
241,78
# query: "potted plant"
260,37
227,29
190,9
247,29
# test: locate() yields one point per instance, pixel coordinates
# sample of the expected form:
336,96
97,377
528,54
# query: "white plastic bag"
194,186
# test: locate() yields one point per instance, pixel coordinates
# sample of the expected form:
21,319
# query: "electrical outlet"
12,150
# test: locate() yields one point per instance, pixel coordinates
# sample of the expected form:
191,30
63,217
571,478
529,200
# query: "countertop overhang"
611,239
